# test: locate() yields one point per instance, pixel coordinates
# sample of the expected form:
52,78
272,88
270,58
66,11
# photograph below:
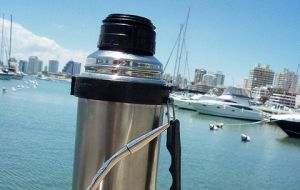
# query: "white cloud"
25,43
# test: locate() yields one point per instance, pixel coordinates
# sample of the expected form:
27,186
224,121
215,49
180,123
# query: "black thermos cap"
127,33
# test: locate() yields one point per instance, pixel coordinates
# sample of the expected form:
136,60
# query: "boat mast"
183,40
2,41
171,53
186,66
10,33
177,53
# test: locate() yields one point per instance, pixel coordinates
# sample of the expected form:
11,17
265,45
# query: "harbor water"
37,135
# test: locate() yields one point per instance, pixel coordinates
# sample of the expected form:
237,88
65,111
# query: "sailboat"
11,71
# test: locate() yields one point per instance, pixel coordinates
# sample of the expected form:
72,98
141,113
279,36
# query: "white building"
287,100
53,66
258,92
260,76
286,80
220,78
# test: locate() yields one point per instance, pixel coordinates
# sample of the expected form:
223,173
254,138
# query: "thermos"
121,96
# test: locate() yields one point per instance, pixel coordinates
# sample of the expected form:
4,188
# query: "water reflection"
289,141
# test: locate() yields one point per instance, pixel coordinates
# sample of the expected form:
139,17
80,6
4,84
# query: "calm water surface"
37,130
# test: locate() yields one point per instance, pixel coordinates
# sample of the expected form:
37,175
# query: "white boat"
10,75
184,100
275,108
5,75
11,70
236,95
234,103
227,109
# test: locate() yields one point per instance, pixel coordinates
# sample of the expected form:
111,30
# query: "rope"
251,123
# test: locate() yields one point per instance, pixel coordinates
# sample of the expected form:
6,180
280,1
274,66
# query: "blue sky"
230,36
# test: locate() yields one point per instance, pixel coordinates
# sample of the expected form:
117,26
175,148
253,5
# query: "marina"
44,120
115,113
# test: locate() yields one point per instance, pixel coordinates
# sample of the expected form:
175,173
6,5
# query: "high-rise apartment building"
260,76
199,73
33,65
23,66
220,78
72,68
53,66
209,79
287,81
40,66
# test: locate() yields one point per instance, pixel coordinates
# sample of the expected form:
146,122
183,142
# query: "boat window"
241,107
229,101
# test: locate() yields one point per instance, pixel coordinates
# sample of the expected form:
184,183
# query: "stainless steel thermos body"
121,96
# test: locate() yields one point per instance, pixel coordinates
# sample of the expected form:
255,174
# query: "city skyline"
259,76
228,36
33,65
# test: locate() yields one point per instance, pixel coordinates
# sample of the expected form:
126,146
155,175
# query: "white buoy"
245,138
212,127
219,125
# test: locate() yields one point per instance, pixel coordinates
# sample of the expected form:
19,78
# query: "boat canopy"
236,92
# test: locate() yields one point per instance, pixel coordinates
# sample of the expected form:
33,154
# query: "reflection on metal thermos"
121,96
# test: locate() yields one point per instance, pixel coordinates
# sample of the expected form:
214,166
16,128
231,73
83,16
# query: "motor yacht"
227,109
289,123
233,103
184,100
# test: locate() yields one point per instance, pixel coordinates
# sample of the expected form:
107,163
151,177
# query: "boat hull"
17,77
289,127
183,104
9,76
227,111
5,76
